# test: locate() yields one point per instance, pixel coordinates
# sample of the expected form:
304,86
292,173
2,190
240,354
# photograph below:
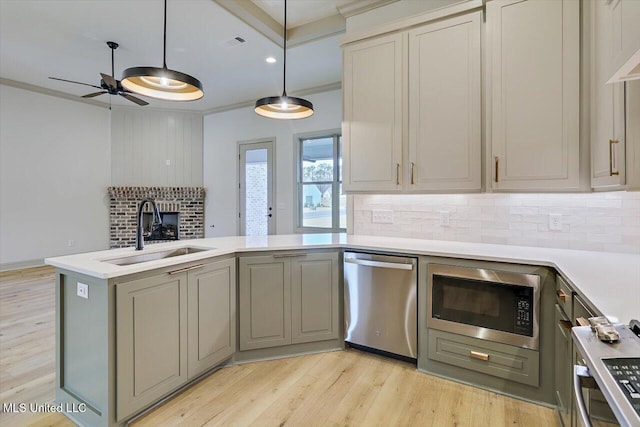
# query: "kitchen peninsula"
90,325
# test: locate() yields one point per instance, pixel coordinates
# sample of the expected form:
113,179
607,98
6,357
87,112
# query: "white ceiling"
67,39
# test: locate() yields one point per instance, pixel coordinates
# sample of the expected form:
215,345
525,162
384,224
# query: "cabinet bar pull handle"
182,270
497,159
562,296
581,321
289,254
478,355
565,324
412,166
611,172
397,173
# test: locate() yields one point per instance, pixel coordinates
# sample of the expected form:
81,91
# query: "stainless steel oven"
495,305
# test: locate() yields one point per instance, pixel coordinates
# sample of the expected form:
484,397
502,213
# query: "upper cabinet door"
625,20
533,77
607,101
373,114
445,105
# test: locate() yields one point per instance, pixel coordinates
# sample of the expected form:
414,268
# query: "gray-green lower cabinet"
290,298
211,294
170,328
151,338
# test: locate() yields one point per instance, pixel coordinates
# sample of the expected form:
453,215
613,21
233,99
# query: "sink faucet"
156,220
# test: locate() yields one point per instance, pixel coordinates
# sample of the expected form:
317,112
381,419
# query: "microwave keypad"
523,314
626,372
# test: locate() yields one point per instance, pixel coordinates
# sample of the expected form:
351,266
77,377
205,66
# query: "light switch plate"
382,216
83,290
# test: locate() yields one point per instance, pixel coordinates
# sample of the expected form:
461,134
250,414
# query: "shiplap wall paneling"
156,148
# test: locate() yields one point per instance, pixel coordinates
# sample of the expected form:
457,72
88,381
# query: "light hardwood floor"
344,388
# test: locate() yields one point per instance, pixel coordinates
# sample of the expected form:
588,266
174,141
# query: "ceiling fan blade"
78,83
91,95
133,99
110,81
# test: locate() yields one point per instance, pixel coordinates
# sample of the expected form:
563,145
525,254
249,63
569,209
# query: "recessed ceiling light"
271,60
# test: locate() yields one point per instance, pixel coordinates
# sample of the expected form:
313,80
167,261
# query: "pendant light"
162,83
284,107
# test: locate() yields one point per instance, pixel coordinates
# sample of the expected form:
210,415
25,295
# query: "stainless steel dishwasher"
380,302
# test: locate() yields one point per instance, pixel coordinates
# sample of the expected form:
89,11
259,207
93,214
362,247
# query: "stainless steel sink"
153,256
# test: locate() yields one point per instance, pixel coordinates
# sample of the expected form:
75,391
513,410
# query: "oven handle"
580,372
380,264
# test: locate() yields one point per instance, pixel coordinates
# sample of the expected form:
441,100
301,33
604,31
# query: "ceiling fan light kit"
284,107
162,83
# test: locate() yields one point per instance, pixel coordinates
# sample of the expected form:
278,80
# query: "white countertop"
610,281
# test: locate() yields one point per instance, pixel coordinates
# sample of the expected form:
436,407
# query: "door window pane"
342,213
256,194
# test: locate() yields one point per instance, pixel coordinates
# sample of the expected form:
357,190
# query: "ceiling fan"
108,83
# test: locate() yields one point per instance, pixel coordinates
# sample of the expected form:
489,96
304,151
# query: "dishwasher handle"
381,264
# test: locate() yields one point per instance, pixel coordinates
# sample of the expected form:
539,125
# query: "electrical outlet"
71,243
167,162
444,219
82,290
555,222
382,216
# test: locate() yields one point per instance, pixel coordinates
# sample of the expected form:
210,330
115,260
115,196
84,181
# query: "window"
321,205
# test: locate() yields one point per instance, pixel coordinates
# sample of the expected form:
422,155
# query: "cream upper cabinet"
607,101
445,105
533,79
437,145
373,114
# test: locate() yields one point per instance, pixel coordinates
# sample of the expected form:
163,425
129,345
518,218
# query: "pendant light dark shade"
162,83
284,106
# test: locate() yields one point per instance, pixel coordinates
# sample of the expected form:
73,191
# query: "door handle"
497,159
412,167
397,173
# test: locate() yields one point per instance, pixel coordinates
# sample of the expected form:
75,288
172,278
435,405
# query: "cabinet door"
314,298
373,114
444,105
151,328
212,315
534,78
265,302
607,104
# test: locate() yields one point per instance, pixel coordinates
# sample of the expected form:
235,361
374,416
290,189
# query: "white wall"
54,172
223,131
156,147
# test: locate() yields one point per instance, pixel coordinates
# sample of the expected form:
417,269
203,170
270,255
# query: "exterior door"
256,212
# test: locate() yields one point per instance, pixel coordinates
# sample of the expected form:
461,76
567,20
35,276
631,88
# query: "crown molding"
259,20
51,92
349,8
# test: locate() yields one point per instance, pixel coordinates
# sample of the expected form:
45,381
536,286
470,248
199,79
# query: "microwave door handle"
580,372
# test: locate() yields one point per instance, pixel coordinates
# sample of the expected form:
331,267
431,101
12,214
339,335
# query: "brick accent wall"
123,207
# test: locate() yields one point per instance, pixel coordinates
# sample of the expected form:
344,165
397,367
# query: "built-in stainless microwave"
499,306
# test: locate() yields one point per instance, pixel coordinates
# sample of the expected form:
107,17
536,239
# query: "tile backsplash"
589,221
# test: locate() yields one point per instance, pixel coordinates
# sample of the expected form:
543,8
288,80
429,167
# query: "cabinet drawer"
564,296
504,361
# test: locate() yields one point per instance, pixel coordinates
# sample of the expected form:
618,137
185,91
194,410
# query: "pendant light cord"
164,44
284,73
